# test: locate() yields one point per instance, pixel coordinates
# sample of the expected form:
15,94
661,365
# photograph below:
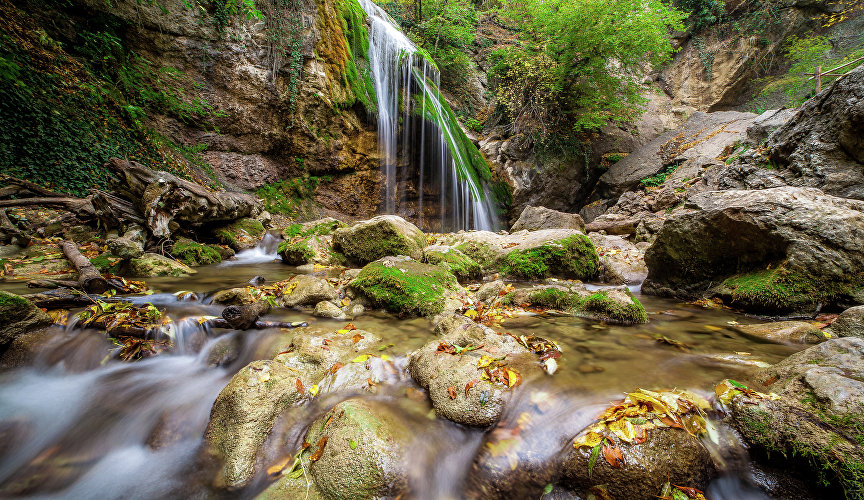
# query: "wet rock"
609,305
407,287
309,291
535,218
381,236
152,265
24,348
800,332
195,254
850,323
463,267
356,309
489,291
327,309
130,245
291,487
447,375
781,260
233,297
668,454
621,262
816,421
242,234
19,317
296,253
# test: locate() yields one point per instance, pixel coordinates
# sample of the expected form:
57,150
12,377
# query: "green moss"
356,75
10,301
480,251
553,298
462,266
195,254
292,231
406,287
103,263
233,234
509,299
372,241
296,252
781,290
600,306
571,257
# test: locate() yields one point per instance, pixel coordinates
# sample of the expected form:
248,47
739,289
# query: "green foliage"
571,257
656,180
285,197
704,12
558,78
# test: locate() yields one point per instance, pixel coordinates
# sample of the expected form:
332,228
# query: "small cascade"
419,134
265,251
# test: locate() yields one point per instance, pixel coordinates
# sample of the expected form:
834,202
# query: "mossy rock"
617,306
107,262
152,265
242,234
479,251
463,267
382,236
195,254
407,287
19,317
297,252
572,257
554,298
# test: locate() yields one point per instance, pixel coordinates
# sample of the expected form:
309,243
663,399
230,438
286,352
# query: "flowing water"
420,142
76,424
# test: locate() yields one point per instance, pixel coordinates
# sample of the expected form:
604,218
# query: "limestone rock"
463,267
327,309
233,297
535,218
309,291
242,234
621,262
800,332
381,236
151,265
850,323
19,317
489,291
406,287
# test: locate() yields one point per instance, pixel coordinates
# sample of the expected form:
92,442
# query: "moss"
406,287
11,302
195,254
554,298
296,253
371,241
509,299
571,257
462,266
292,231
478,250
107,263
233,234
600,306
781,290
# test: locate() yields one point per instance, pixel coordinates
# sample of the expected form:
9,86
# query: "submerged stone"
152,265
784,331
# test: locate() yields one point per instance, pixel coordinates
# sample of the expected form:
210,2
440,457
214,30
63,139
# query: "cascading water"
406,88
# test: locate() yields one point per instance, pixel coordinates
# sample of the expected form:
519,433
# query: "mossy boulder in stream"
296,252
19,316
407,287
381,236
152,265
463,267
815,419
610,305
571,257
242,234
195,254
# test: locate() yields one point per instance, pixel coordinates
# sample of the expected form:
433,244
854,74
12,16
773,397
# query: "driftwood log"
65,298
89,277
258,325
162,198
244,317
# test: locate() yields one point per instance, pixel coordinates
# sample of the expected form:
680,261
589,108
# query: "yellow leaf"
471,313
589,439
713,328
361,358
278,466
342,332
385,357
623,429
314,390
484,361
345,302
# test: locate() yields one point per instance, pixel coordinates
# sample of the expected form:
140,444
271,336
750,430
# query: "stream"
76,425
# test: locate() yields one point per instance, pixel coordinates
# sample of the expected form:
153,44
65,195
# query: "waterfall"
431,150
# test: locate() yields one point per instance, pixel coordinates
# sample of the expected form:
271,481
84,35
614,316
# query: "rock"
800,332
535,218
291,487
381,236
233,297
309,291
151,265
816,420
327,309
766,123
609,305
446,375
463,267
130,245
195,254
822,145
850,323
668,454
489,291
406,287
296,253
355,310
782,259
378,463
25,348
621,262
19,317
242,234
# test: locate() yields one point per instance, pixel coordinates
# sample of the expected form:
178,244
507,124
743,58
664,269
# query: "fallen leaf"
320,451
592,459
470,385
357,338
333,369
346,302
361,358
300,387
613,455
452,392
352,444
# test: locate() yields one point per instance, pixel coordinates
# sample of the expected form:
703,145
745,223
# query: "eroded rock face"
535,218
816,418
793,248
381,236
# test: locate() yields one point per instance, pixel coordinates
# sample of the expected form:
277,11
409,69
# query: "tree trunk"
244,317
89,277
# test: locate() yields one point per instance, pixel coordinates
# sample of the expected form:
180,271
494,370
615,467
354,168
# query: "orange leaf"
690,492
320,451
641,434
612,453
671,423
470,385
452,392
333,369
357,338
350,326
300,387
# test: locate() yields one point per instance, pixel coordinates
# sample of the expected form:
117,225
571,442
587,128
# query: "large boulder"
306,290
850,323
621,262
814,417
406,287
615,305
19,317
152,265
463,267
535,218
381,236
775,250
242,234
195,254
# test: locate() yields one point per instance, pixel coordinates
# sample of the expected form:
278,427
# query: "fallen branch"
89,278
51,284
65,298
259,325
244,317
29,186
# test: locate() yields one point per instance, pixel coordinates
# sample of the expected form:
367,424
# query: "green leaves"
592,460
